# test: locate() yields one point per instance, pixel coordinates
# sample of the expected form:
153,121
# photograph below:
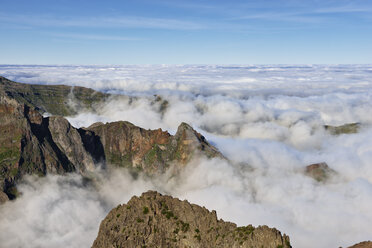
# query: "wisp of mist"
267,120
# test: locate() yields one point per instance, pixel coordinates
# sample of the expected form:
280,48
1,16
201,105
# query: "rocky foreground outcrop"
154,220
365,244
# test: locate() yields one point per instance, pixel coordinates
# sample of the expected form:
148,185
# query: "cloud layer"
268,120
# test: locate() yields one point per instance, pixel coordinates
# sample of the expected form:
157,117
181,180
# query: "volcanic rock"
151,151
70,142
319,171
365,244
154,220
26,145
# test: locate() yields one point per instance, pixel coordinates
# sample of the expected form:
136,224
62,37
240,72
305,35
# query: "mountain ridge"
34,144
52,99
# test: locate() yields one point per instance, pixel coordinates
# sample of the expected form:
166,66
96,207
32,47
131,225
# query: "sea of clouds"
267,120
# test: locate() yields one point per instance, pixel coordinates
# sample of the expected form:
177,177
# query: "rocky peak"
190,141
151,151
154,220
365,244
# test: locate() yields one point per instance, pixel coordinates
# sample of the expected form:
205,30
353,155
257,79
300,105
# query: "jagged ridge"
150,150
33,144
154,220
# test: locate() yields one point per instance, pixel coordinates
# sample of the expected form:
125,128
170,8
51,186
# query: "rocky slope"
154,220
55,99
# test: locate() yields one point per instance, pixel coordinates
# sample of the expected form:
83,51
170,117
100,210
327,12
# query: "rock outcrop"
319,171
365,244
70,142
154,220
150,150
348,128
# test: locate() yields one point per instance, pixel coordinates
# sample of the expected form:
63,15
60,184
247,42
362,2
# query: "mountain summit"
155,220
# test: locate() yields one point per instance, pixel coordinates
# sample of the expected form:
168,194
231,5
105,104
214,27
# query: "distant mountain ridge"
53,99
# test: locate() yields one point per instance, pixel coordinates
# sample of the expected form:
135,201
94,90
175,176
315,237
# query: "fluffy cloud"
266,119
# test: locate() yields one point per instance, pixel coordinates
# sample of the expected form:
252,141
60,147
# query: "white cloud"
266,119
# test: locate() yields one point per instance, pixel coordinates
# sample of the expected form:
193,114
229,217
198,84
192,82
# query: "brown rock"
154,220
151,151
365,244
127,145
319,171
3,197
189,141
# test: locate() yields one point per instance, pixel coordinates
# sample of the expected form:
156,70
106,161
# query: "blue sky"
185,32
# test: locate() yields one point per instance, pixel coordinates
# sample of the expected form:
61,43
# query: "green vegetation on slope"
54,99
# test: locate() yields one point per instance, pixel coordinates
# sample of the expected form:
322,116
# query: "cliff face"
31,144
150,150
154,220
127,145
70,142
25,145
